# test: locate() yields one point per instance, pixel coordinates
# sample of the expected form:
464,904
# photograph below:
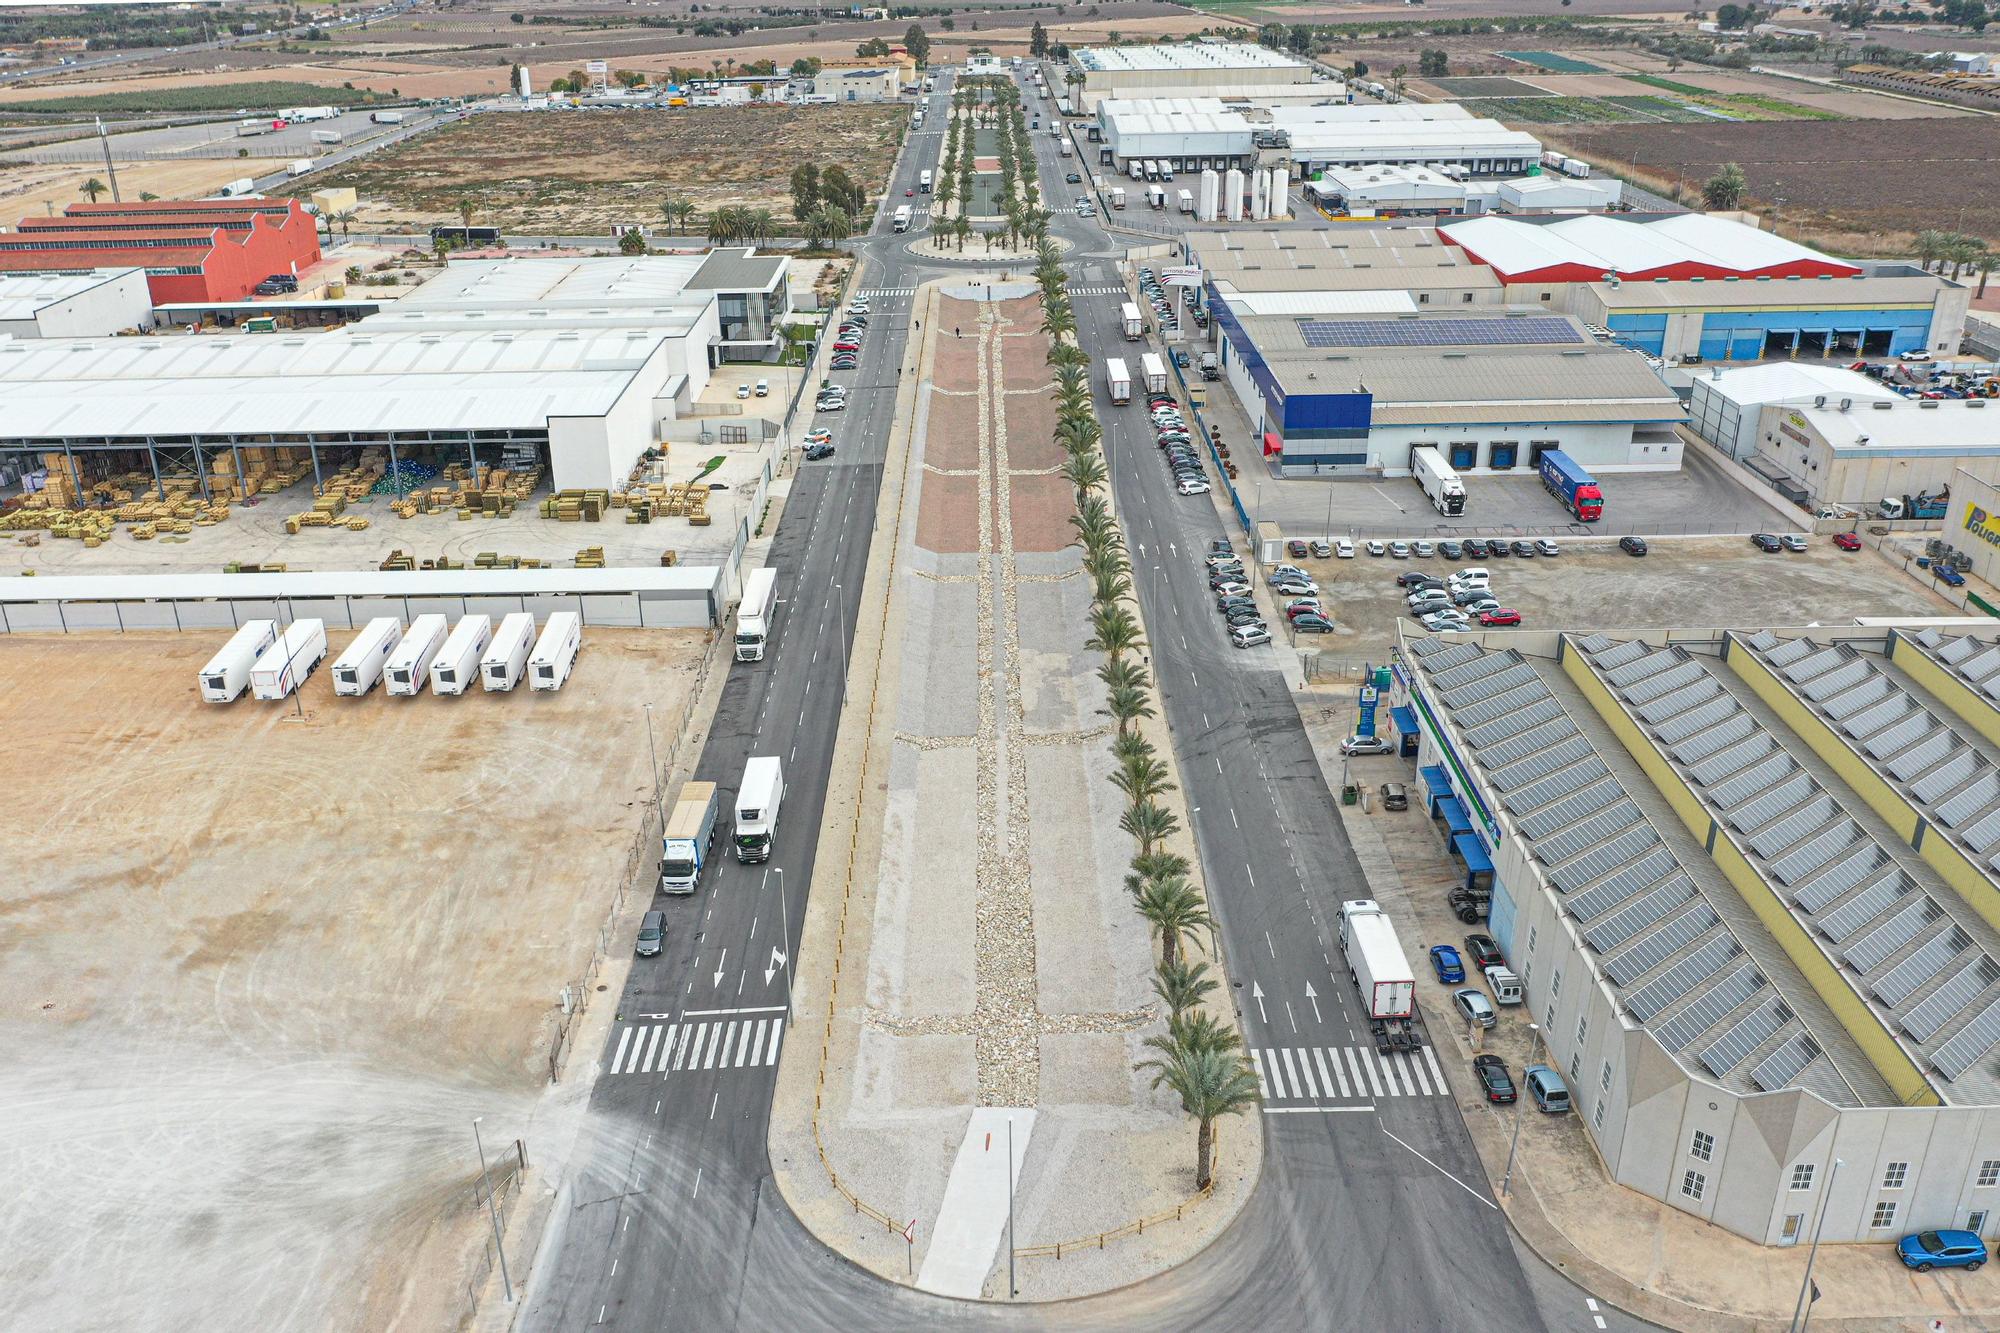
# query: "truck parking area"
266,961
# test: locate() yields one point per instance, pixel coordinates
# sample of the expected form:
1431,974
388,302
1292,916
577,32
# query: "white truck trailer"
1064,147
1186,198
754,614
299,168
901,217
506,659
1117,193
688,837
1153,371
758,799
1156,195
386,117
328,136
1133,323
1376,961
286,663
1118,379
555,652
457,663
356,670
410,665
228,672
1440,483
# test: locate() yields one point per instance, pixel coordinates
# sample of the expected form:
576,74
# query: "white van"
1465,578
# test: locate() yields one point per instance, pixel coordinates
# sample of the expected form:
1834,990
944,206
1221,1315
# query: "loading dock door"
1781,342
1745,347
1846,343
1812,343
1875,342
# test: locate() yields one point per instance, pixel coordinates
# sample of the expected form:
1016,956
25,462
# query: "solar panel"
1631,650
1688,723
1426,647
1706,1009
1525,743
1947,777
1849,702
1990,687
1656,867
1762,801
1557,785
1666,681
1523,771
1533,715
1979,667
1745,1035
1801,823
1962,806
1728,760
1903,732
1639,958
1929,751
1833,682
1911,975
1969,1042
1954,651
1471,692
1871,949
1595,643
1983,832
1700,745
1815,852
1865,907
1571,809
1813,664
1443,654
1604,824
1960,989
1476,668
1785,1064
1682,977
1879,716
1634,917
1594,865
1763,641
1502,705
1680,700
1493,332
1660,659
1791,650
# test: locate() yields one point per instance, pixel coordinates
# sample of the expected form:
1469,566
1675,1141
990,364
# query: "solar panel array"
1417,332
1682,977
1952,998
1969,1043
1709,1008
1781,1066
1642,956
1745,1035
1636,915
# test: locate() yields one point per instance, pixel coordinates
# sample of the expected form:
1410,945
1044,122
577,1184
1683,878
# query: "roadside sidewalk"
1631,1251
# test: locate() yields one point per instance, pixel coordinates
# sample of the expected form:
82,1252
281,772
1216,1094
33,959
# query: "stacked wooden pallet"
590,557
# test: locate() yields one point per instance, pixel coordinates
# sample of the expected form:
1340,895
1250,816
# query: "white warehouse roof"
1382,182
1790,381
23,294
485,283
1185,55
1427,139
1317,302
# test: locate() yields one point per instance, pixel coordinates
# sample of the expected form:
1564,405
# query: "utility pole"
1802,1312
1507,1181
492,1213
109,170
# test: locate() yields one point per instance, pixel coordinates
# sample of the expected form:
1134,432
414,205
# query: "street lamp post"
1507,1181
785,938
1802,1312
492,1213
654,755
840,617
1012,1289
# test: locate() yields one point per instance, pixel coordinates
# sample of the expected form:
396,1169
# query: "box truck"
1118,379
1563,478
328,136
1186,198
1375,960
299,168
1118,196
506,657
1153,370
1135,326
229,670
1156,196
901,218
456,664
410,665
286,663
555,652
1136,169
237,188
1064,147
356,670
758,798
1440,483
386,117
690,832
923,177
754,614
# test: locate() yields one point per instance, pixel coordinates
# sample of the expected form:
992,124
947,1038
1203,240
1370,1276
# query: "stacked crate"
590,557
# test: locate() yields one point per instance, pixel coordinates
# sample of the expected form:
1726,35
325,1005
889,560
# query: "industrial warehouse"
1191,69
1747,881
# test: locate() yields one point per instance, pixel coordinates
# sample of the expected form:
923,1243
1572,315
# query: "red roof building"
191,249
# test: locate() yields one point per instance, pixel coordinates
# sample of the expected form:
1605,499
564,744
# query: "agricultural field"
1487,87
163,96
1585,110
1551,61
583,171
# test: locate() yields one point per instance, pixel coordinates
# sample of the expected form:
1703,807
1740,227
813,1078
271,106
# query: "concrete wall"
650,610
119,303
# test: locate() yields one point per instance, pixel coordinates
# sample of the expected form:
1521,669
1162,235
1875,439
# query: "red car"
1847,541
1501,617
847,347
909,194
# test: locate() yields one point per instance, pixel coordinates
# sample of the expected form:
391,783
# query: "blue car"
1445,962
1941,1249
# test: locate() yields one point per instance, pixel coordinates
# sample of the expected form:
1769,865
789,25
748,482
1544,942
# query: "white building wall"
119,303
1598,447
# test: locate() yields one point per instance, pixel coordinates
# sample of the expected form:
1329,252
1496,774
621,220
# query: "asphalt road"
126,57
1371,1216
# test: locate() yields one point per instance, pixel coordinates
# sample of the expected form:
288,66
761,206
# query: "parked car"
1632,545
1794,541
1220,546
1499,616
1344,549
742,391
1242,615
1494,1080
1478,606
1322,550
1296,588
1357,745
1847,541
1483,952
1546,1086
815,452
1451,550
1443,622
1377,548
1423,550
1476,548
1941,1249
1547,547
1474,1007
1297,550
1312,623
1524,549
1395,796
652,934
1948,576
1304,606
831,404
1497,549
1766,543
1399,550
1468,595
1192,486
1249,636
1417,578
1447,964
1230,586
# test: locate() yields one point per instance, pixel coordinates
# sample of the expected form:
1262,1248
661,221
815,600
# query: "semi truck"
1153,370
758,799
1118,379
300,114
1129,318
356,670
902,217
237,188
228,672
386,117
286,663
1563,478
1440,483
328,136
924,183
506,659
1930,505
410,665
1118,196
1375,960
555,652
754,614
457,663
689,834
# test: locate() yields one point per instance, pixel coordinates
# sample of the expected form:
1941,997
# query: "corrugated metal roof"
22,294
1762,293
1624,245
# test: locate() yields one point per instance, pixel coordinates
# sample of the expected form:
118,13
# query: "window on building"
1604,1076
1894,1174
1885,1216
1467,298
1597,1115
1549,1020
1975,1222
1694,1184
1576,1066
1423,298
1989,1173
1547,295
1555,985
1703,1146
1582,1029
1533,932
1802,1176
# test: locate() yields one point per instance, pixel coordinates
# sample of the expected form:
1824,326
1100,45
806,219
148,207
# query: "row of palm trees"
1939,248
1022,217
1199,1057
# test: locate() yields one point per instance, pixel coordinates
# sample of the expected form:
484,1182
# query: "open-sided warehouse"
1744,879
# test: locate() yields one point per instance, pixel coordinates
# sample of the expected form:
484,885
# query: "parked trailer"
1565,479
1118,196
758,798
1577,167
1118,379
356,670
688,837
506,658
1133,323
1156,196
328,136
237,188
229,670
1153,370
1186,198
457,662
410,665
1376,962
386,117
753,614
555,652
1440,483
299,168
286,663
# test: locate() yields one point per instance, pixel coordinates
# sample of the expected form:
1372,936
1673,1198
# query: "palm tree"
1984,267
1150,825
1156,864
1127,706
93,187
1114,631
679,211
344,217
1930,247
1182,986
1085,472
1110,560
1107,588
1142,780
1134,746
725,225
839,225
1172,907
465,211
1210,1084
1077,433
759,223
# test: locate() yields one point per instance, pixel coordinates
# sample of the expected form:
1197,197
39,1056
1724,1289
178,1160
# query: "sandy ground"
39,188
259,972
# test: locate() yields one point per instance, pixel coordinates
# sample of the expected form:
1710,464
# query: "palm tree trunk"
1204,1147
1170,948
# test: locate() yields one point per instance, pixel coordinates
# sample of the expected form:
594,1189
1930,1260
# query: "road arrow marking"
777,961
1257,994
1313,995
719,968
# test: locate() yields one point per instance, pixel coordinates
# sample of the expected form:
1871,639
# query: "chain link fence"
503,1179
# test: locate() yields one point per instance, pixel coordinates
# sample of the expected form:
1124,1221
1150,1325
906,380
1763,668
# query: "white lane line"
1313,1110
751,1009
697,1182
1414,1067
1436,1073
1292,1072
1305,1072
652,1045
701,1035
1362,1067
752,1028
1257,1065
618,1057
1339,1074
1440,1170
777,1030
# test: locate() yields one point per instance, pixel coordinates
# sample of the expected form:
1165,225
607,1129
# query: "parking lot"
1710,581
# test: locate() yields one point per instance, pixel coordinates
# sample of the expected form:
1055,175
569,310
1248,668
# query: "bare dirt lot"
37,188
258,972
562,172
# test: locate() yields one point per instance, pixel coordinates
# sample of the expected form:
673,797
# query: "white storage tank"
356,670
1232,195
1281,185
555,652
458,661
286,663
410,665
228,672
1211,195
507,656
1260,194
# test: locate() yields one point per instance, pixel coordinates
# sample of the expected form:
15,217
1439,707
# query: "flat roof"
1908,426
358,583
1861,290
23,294
1782,381
1362,113
1360,278
1184,56
1446,139
1319,302
738,269
483,283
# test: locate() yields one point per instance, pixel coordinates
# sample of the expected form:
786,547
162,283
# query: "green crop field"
213,97
1738,106
1560,110
1552,62
1659,108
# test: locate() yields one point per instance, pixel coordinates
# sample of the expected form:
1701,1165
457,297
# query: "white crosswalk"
879,292
1327,1075
707,1043
1097,291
